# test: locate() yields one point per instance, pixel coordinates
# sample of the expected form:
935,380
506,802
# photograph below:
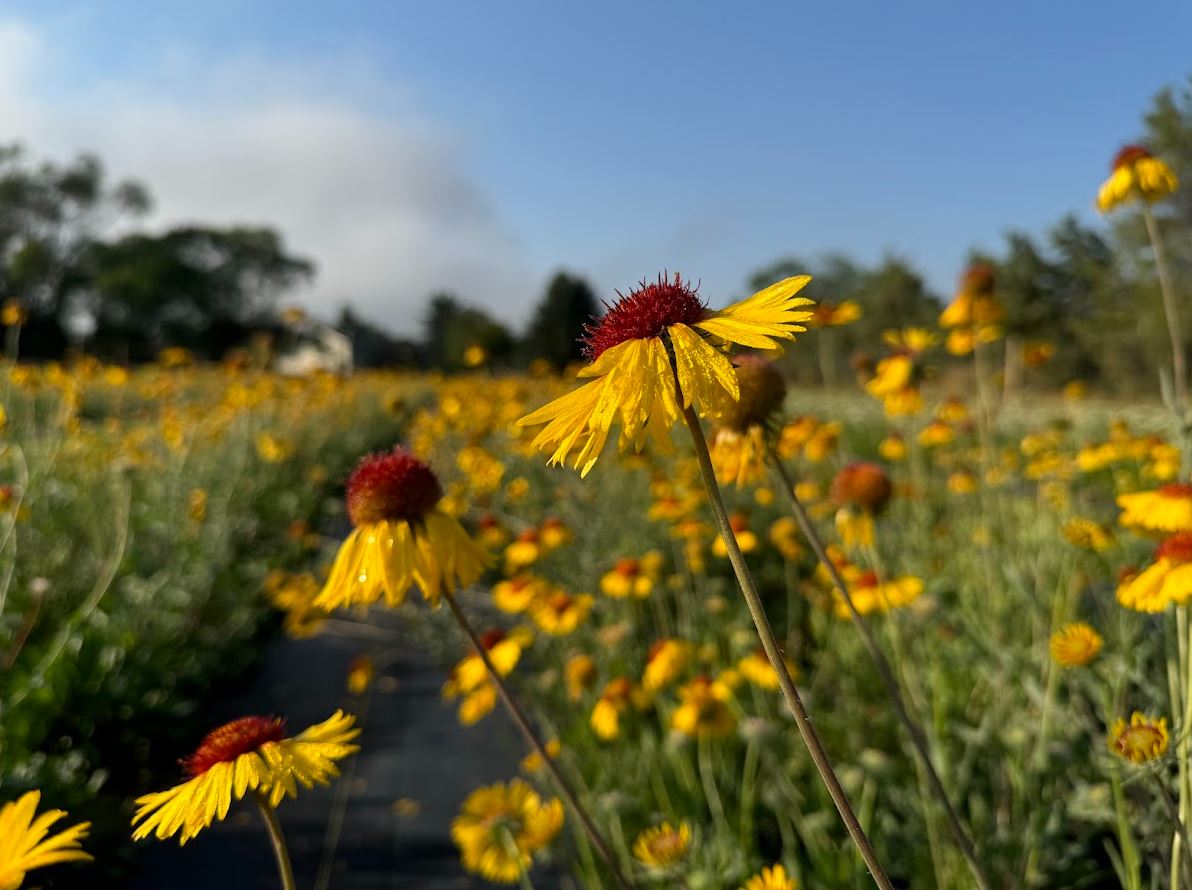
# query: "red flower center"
225,744
863,484
866,580
627,566
490,638
1130,155
1177,548
1177,490
645,312
978,280
395,486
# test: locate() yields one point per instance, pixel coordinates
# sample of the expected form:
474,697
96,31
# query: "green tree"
557,325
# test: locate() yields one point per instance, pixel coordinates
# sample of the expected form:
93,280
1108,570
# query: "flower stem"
749,591
527,730
1177,823
885,674
280,851
1171,310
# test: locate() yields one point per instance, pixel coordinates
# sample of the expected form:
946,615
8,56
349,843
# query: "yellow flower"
12,315
361,672
1087,534
666,661
1165,509
747,540
559,613
828,315
1167,580
633,577
400,538
475,356
739,456
855,528
662,845
1136,175
894,374
771,879
26,842
1140,740
704,710
892,448
271,449
962,482
935,434
868,592
1074,645
532,762
787,539
632,348
249,754
516,594
500,827
756,668
580,674
614,701
962,341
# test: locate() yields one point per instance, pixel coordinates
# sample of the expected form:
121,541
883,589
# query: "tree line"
87,277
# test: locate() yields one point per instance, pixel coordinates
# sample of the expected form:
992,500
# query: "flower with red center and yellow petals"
560,613
499,829
654,353
1166,509
401,537
26,842
249,754
1140,740
975,306
703,709
863,485
1167,580
868,592
517,594
1136,175
579,673
613,703
666,661
633,577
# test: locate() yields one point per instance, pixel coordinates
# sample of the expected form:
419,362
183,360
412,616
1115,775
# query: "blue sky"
480,145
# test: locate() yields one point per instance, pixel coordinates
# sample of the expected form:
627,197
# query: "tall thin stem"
531,735
280,851
1177,823
885,673
749,591
1171,310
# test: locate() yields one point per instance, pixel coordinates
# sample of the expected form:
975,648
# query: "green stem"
762,623
1171,310
284,869
885,674
1177,823
531,736
708,777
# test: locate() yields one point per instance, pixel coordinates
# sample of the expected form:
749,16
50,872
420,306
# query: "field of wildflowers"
973,604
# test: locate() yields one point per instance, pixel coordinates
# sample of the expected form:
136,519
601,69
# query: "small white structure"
311,347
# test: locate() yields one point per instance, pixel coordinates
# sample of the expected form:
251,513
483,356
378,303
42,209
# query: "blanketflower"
559,613
616,699
828,315
633,577
1087,534
1165,509
1167,580
1140,740
26,842
665,663
1136,175
500,827
400,539
662,845
1075,644
704,710
756,668
249,754
774,878
655,352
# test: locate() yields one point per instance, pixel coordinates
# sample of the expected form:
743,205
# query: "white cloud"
381,202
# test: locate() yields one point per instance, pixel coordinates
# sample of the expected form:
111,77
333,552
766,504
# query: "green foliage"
450,328
557,324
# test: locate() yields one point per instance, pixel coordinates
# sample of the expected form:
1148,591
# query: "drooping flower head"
401,537
1135,175
249,754
500,827
656,351
26,842
1140,740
